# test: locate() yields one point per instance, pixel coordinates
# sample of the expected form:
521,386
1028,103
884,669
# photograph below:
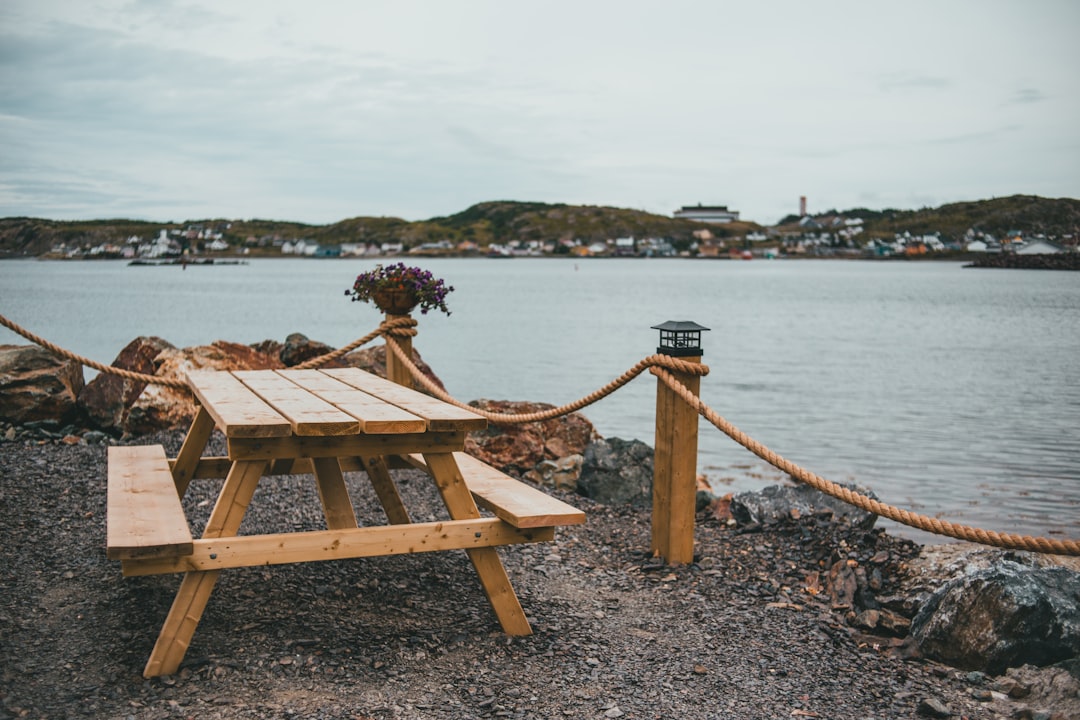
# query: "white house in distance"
1038,247
707,213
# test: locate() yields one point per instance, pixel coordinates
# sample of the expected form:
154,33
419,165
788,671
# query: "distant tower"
802,206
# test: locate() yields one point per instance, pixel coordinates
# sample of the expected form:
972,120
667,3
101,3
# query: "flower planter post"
675,455
397,290
395,369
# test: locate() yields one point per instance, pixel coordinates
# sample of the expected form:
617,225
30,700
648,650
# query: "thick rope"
402,325
915,520
109,369
659,365
398,326
652,361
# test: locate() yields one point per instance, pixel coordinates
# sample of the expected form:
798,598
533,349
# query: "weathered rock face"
135,408
106,398
1052,692
37,385
936,565
517,449
617,471
298,348
561,474
779,501
160,407
1004,616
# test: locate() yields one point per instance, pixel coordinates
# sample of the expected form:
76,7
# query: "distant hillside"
484,223
505,221
1027,213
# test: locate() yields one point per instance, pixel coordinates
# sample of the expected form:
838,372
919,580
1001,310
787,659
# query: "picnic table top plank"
309,414
236,410
440,416
375,415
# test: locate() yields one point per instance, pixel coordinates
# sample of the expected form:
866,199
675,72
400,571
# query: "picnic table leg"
337,506
195,589
194,444
489,567
387,491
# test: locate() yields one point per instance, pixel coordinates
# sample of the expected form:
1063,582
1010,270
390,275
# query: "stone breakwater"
1056,261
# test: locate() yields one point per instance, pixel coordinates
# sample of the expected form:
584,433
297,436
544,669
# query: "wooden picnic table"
322,423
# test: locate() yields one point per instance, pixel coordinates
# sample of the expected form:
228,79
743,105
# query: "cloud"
193,108
901,81
1026,96
975,137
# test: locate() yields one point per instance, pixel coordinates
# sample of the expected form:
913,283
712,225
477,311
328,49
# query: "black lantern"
680,338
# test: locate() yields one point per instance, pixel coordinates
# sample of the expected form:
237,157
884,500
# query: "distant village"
811,236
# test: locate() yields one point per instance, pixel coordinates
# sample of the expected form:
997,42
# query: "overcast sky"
318,111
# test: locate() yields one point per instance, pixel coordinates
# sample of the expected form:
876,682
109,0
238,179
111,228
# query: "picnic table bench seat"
520,504
144,517
322,423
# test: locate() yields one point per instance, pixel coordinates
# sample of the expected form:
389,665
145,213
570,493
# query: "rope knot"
655,362
399,327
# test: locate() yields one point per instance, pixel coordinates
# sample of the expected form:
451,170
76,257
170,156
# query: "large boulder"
135,407
298,348
937,565
160,407
517,449
107,398
776,502
1006,615
37,385
617,471
561,474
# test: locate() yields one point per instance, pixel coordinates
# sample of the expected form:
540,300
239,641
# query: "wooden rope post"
395,369
675,455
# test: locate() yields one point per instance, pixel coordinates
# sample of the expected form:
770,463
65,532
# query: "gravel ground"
616,634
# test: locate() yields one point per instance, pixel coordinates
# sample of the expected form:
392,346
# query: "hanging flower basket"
398,289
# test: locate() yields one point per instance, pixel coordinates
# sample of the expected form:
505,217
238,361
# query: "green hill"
500,222
1027,213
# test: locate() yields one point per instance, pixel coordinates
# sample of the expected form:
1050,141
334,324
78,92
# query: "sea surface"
949,391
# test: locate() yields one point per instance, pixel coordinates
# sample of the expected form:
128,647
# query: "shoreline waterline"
944,391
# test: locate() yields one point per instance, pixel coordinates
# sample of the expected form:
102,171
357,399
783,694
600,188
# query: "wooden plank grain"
374,414
309,414
236,410
254,550
514,501
439,415
144,517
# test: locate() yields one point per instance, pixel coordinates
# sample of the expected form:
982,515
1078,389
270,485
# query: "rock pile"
45,396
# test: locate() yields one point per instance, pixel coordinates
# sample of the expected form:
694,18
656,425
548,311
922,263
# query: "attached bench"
145,518
513,501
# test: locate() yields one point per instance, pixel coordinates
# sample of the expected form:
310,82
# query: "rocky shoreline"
754,628
794,606
1011,260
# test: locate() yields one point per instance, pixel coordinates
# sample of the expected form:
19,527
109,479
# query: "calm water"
949,391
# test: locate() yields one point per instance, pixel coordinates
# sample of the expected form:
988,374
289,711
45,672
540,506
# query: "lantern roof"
679,326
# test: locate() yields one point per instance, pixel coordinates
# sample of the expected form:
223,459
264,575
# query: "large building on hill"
707,213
